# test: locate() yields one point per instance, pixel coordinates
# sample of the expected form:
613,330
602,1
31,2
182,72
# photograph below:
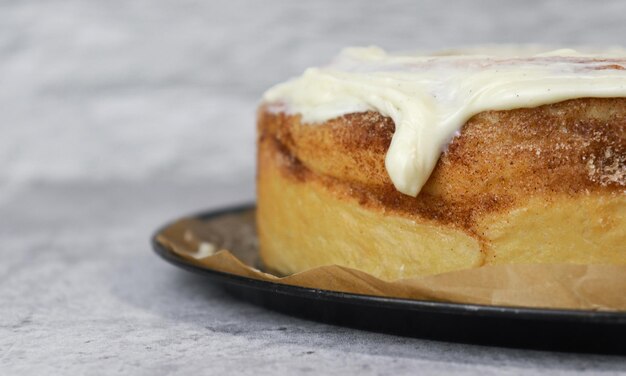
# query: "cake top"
430,96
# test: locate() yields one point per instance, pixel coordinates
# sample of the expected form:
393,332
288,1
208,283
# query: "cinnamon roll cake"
403,165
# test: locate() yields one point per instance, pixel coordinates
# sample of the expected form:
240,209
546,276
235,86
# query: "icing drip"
430,97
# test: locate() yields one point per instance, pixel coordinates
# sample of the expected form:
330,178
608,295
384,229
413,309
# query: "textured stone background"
116,116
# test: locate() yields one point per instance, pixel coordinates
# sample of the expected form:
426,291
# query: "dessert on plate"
403,165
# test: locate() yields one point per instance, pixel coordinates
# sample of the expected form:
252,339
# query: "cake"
403,165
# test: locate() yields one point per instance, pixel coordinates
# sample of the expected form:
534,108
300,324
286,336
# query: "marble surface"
118,116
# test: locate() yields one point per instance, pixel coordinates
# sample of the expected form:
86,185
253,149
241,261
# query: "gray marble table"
116,116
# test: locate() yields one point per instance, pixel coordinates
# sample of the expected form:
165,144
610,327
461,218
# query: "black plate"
548,329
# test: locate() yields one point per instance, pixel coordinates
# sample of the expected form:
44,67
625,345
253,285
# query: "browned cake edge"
499,160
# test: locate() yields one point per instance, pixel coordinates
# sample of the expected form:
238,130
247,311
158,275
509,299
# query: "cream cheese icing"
430,96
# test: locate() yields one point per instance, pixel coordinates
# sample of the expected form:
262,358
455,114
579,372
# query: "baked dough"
532,185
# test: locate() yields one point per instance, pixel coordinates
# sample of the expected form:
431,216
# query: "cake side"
507,171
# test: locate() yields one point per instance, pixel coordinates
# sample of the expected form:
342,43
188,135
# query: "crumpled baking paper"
228,243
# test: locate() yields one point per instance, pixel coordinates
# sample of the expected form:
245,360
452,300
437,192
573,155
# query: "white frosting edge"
430,97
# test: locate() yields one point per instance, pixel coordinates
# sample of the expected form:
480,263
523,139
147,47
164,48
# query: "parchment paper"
228,244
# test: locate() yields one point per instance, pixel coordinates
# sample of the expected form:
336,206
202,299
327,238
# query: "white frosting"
430,97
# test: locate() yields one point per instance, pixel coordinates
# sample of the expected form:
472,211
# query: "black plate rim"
528,313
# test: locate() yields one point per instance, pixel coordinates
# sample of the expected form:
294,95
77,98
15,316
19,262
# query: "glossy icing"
430,97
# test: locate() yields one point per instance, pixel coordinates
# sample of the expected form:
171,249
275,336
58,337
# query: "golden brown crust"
499,160
540,185
307,223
